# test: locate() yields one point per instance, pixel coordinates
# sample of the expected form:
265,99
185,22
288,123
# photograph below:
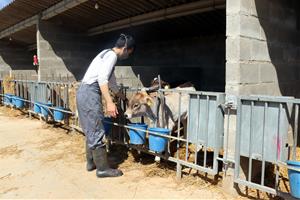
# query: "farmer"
97,81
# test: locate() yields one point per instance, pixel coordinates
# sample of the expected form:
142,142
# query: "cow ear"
149,101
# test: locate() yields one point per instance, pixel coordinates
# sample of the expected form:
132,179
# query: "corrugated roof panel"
19,10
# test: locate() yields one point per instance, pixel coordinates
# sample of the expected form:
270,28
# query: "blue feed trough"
294,177
58,115
37,108
158,143
137,137
45,109
107,126
18,102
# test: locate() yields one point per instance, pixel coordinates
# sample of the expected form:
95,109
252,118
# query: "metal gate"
200,147
263,132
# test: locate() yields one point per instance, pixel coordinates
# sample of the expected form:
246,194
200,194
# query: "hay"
9,86
64,147
10,112
72,96
12,150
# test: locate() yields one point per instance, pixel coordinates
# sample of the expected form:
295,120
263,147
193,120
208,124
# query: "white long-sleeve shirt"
101,70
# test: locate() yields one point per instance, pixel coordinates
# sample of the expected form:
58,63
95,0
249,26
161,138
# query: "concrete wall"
16,61
62,53
262,48
262,55
200,60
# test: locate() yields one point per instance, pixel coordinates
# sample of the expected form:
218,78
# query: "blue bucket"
13,100
137,137
58,115
18,102
8,99
107,126
294,177
37,108
45,110
158,143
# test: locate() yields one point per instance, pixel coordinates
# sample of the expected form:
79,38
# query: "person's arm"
112,83
103,75
111,107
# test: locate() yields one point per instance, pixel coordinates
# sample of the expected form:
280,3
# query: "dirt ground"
37,161
40,161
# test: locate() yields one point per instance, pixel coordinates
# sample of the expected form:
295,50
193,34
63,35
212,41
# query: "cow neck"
154,115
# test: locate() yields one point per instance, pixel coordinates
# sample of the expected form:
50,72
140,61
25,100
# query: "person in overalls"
97,81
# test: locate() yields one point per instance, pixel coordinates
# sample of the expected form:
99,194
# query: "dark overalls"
90,111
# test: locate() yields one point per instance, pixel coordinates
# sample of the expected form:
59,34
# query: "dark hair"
125,41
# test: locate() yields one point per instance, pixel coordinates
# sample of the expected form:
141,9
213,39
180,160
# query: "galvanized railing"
1,91
262,138
204,135
51,95
263,124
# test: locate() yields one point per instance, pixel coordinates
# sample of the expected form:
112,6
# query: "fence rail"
266,129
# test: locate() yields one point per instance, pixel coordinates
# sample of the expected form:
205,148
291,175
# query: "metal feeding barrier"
266,129
1,91
204,136
52,96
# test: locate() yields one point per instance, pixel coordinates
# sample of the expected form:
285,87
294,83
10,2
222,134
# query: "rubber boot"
103,169
90,165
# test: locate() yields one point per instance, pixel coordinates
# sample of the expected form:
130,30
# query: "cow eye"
136,105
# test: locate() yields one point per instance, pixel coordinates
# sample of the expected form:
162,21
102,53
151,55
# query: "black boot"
90,165
103,169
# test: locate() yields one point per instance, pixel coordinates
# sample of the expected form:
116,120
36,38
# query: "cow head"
140,104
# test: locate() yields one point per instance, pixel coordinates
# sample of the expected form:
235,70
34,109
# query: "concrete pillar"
62,53
262,53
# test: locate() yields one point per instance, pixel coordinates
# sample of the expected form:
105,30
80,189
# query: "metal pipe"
278,145
178,167
250,141
237,141
262,148
206,131
197,129
295,131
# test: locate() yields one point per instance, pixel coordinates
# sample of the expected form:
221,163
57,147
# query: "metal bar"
263,142
172,159
226,139
198,128
269,99
256,186
153,133
237,140
295,131
206,131
178,167
278,150
250,141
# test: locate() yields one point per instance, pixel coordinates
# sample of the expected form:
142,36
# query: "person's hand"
111,109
